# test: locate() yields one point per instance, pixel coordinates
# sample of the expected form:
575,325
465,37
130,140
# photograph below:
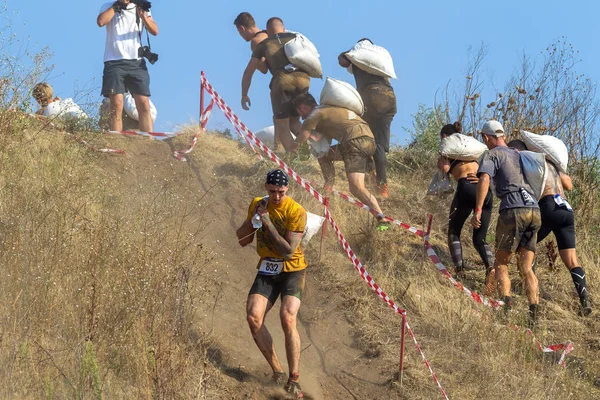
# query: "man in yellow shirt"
279,223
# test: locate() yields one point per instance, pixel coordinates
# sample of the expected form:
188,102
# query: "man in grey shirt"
519,219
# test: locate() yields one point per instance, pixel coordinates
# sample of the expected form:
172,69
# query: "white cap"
492,128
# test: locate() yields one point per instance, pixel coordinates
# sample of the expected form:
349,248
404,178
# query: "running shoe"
292,387
586,308
383,226
383,190
278,378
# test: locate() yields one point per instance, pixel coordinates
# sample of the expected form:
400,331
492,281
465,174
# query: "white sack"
552,147
535,171
462,147
304,55
65,108
341,94
372,58
131,109
440,184
313,224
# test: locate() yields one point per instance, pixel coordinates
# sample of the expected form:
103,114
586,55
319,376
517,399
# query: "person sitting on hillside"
44,95
246,27
52,106
380,108
519,219
558,218
285,85
278,223
465,173
356,146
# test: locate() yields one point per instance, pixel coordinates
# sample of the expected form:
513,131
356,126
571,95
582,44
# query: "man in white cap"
519,219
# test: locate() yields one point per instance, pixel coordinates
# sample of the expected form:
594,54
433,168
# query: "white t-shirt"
65,108
122,34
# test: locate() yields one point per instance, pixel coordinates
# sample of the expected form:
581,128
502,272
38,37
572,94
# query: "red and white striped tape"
153,135
249,136
352,200
435,379
359,267
495,304
566,347
180,155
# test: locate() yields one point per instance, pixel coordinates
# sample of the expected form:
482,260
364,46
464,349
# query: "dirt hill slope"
170,254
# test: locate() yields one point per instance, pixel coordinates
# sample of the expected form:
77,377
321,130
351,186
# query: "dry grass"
471,349
102,259
101,262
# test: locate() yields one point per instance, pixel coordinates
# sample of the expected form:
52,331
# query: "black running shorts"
558,220
284,284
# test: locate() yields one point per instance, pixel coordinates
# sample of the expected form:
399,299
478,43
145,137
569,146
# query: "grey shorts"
121,76
518,227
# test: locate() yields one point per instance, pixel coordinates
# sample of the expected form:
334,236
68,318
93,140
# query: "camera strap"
142,26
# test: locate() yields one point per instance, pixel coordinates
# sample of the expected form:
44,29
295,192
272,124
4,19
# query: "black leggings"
462,205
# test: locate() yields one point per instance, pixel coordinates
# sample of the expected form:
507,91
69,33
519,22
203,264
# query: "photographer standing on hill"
124,64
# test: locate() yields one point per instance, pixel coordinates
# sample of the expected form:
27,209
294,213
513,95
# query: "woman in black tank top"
462,206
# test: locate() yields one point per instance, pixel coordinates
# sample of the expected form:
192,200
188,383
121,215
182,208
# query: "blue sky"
428,41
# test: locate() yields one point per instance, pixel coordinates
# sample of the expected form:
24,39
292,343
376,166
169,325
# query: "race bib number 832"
271,266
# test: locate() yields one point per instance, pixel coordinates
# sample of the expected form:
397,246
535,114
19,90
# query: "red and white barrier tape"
495,304
435,379
180,155
352,200
153,135
566,347
249,136
359,267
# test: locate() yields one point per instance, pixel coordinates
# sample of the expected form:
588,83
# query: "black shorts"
560,221
284,284
121,76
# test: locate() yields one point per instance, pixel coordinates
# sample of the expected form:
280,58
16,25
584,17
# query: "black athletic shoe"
586,308
459,274
508,303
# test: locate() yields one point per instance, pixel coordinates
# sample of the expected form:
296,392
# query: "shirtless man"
246,27
285,85
558,218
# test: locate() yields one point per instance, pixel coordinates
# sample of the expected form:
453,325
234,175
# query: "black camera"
143,4
144,51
